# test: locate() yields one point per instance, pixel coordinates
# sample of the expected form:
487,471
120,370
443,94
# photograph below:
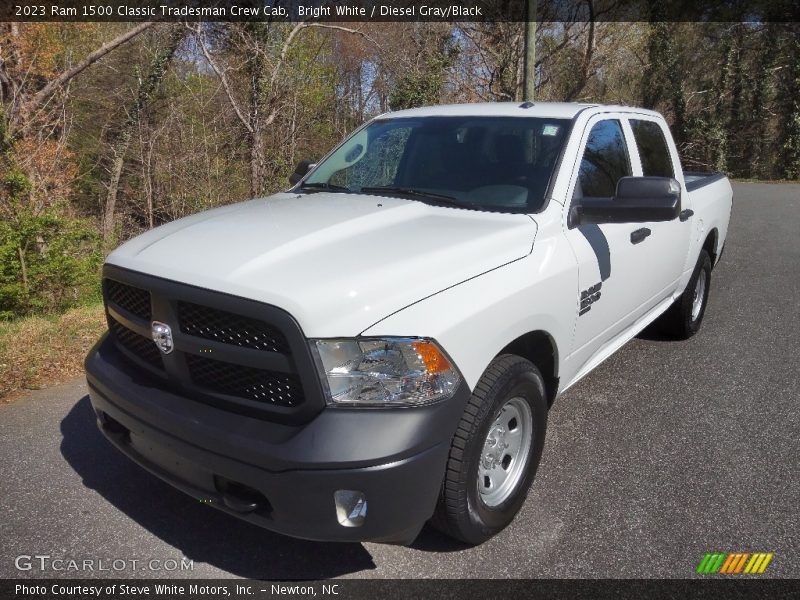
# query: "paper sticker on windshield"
550,130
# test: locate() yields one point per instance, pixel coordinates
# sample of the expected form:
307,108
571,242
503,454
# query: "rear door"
668,244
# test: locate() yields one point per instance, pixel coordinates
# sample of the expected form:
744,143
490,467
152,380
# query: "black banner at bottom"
440,589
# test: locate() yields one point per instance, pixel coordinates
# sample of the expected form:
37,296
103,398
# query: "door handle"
639,235
685,214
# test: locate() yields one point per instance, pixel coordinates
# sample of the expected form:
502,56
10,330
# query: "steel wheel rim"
699,295
504,456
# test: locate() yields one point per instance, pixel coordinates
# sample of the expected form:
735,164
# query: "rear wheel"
495,451
684,317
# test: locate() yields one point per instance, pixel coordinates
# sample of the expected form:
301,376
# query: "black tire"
461,512
679,322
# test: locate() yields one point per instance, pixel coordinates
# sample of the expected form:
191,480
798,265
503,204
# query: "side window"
653,150
605,161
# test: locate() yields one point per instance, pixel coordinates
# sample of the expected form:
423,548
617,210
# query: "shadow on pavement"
654,333
431,540
202,533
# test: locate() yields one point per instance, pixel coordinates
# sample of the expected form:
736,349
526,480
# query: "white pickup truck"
379,346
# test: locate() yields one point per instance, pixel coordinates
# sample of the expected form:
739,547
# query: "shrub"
49,262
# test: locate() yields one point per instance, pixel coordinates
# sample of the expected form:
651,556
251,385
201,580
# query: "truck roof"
551,110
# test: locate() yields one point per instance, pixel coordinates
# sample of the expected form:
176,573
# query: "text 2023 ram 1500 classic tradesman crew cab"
379,345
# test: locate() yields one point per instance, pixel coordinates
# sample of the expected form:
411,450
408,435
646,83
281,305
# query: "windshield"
490,163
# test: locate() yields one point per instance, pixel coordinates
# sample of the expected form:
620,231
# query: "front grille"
276,389
140,346
232,353
228,328
135,300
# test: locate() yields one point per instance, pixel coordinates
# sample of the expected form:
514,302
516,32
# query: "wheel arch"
710,245
540,348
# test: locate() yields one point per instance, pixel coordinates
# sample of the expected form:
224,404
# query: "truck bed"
697,179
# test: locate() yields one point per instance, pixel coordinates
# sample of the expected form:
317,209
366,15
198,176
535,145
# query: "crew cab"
378,346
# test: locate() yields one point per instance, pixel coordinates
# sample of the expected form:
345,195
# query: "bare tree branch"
287,45
585,74
297,29
59,81
223,79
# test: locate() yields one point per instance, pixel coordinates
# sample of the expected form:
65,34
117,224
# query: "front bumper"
281,477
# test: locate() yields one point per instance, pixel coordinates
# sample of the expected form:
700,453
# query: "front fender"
475,320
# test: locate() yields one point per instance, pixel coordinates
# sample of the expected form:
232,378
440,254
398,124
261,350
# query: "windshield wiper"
440,198
321,186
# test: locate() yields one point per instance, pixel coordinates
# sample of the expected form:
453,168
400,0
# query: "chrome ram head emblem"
162,336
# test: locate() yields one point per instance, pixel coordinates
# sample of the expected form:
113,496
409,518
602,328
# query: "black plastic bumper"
278,476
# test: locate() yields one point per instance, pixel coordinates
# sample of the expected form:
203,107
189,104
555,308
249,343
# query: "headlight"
385,371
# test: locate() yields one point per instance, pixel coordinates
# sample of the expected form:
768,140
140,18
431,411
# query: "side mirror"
637,200
300,171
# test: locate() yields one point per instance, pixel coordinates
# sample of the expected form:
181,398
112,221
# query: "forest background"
109,129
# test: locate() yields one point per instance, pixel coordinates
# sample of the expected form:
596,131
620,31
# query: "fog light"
351,507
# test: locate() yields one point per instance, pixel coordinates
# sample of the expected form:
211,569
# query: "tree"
148,85
789,108
762,91
263,49
424,77
48,257
24,99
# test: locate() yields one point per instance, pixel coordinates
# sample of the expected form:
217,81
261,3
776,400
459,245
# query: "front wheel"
495,451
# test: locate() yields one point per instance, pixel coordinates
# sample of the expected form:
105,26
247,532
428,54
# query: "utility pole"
529,76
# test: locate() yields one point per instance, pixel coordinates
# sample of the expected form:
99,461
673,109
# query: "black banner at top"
399,10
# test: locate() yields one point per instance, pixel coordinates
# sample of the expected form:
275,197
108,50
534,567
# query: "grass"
37,352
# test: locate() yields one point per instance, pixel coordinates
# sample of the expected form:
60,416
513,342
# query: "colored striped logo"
734,563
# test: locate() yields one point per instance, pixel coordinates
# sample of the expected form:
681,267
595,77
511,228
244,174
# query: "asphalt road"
667,451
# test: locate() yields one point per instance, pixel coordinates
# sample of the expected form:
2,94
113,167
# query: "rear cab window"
653,150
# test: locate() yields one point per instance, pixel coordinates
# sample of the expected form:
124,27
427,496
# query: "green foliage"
48,262
790,112
416,89
424,86
655,75
16,184
791,146
731,104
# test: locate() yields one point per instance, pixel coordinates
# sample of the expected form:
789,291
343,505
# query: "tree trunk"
760,99
147,179
144,95
719,136
256,121
657,57
109,213
256,162
23,268
583,76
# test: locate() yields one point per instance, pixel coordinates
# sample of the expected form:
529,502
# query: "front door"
612,270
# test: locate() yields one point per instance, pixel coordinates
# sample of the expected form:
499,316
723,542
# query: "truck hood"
337,262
